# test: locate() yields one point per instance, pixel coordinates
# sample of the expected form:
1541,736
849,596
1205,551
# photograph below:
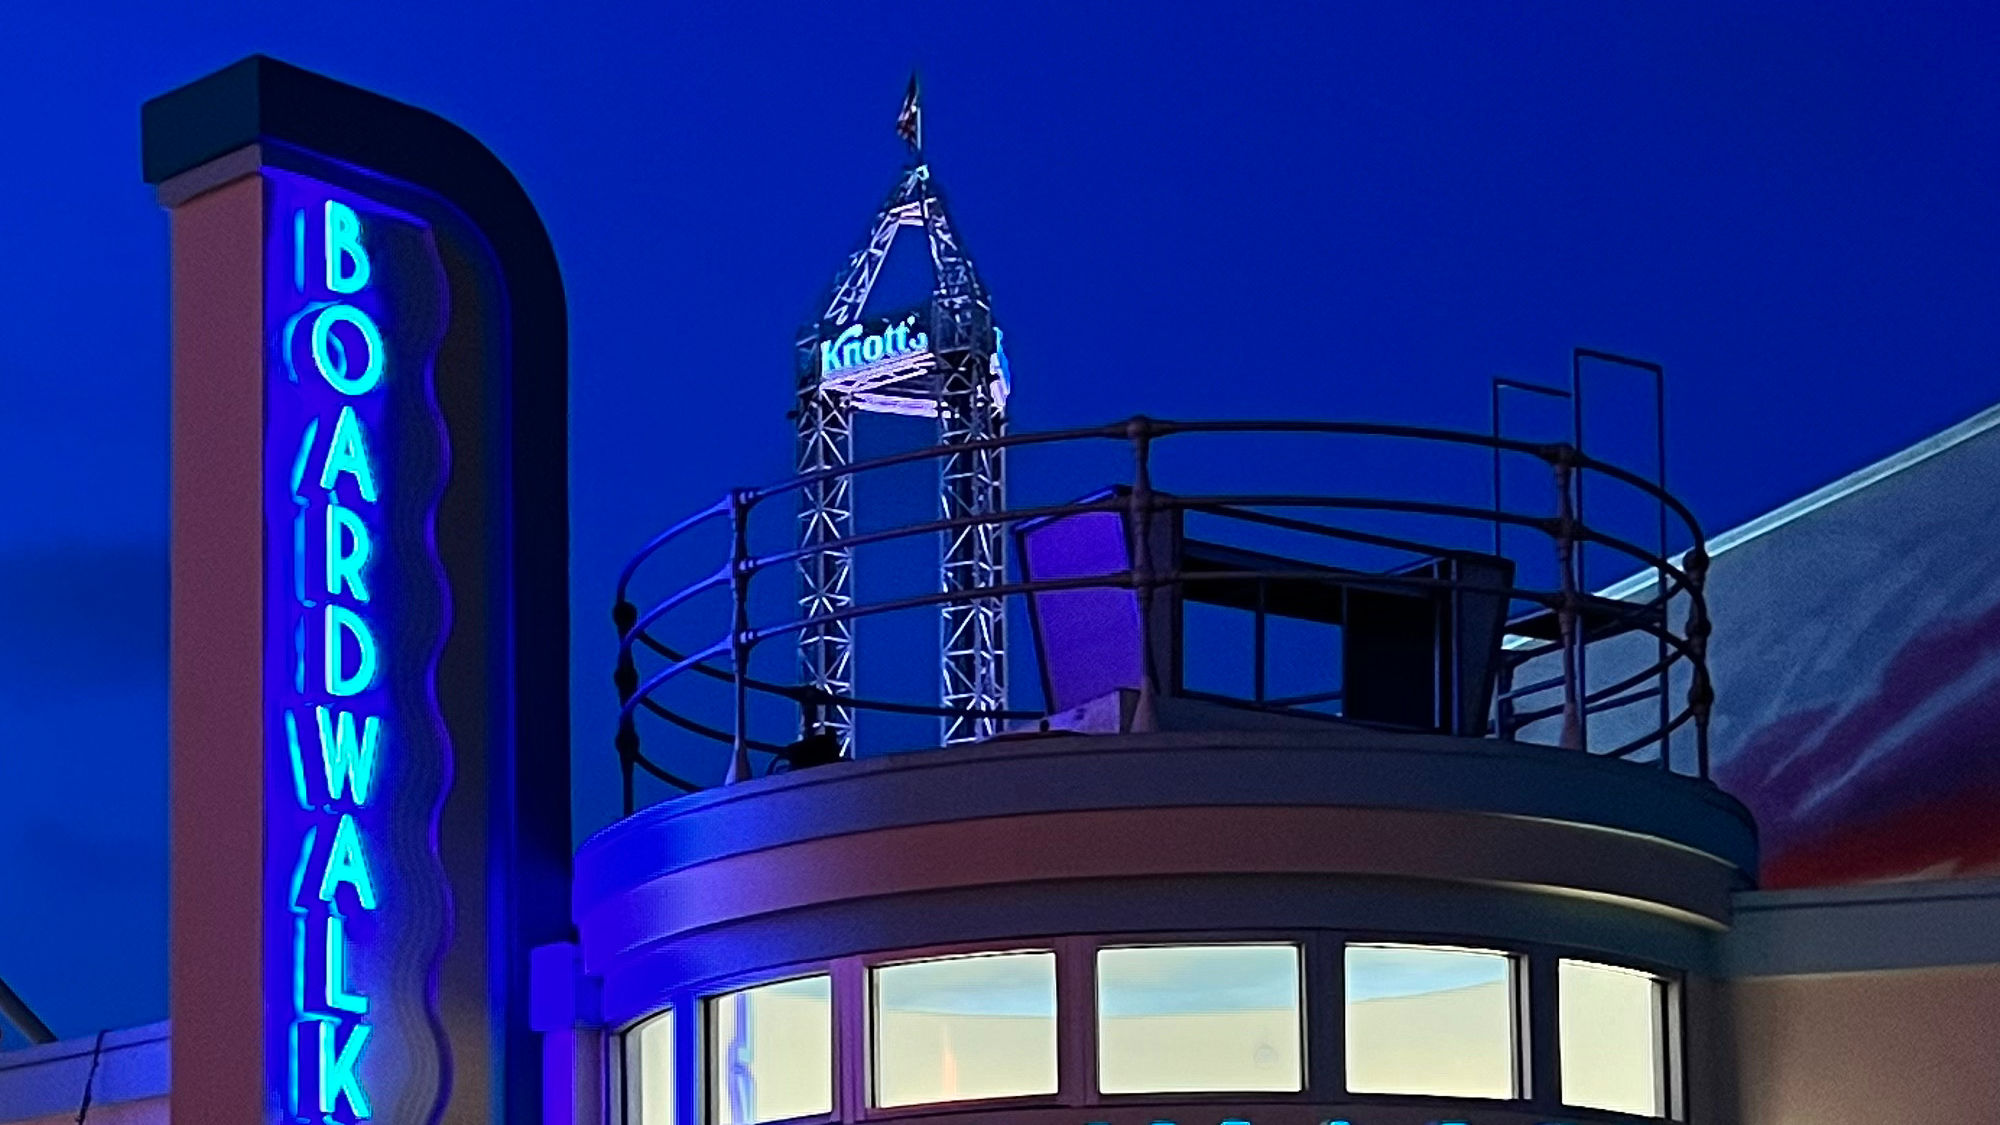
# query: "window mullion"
853,1045
1542,1041
1076,1022
1325,1002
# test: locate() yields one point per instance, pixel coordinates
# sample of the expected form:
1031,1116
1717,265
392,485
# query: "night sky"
1335,211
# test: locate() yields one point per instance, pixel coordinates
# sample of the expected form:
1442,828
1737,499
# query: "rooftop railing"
1652,675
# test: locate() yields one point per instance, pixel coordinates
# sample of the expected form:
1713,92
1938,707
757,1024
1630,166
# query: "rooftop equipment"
1418,647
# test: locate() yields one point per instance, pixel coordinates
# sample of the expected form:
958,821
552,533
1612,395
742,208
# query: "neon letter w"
349,762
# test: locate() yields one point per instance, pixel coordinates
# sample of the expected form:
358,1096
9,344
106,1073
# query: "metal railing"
647,663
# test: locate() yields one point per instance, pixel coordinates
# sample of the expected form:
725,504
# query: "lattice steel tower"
940,360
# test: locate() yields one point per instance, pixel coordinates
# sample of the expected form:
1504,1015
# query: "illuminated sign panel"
368,697
884,365
857,345
355,613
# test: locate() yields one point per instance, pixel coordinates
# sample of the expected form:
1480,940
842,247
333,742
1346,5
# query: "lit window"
1198,1017
1430,1020
1613,1038
649,1072
960,1028
771,1052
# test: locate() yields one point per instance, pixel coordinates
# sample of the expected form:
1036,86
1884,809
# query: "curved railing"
1558,690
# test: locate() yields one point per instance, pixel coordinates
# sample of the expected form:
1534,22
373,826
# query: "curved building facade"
1278,925
1340,890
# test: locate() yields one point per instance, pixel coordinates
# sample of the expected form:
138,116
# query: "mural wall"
1856,659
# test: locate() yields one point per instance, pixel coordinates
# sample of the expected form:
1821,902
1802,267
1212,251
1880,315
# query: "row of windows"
1170,1019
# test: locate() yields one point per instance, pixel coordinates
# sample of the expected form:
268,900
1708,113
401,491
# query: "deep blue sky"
1353,211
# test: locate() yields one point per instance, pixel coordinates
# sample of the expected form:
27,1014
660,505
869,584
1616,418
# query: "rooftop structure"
940,360
1145,899
1412,634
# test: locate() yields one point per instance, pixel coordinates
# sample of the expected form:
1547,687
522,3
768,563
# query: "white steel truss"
947,364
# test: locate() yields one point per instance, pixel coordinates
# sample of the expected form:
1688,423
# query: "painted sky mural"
1856,660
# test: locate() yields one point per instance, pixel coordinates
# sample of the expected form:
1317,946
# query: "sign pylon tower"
941,360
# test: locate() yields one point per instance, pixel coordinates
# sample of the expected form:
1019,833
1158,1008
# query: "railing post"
624,615
1145,716
1566,623
1666,624
739,632
1261,638
1701,690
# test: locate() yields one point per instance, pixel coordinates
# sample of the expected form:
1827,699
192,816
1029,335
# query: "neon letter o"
330,355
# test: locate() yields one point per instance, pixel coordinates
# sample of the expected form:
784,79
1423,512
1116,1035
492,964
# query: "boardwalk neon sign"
354,617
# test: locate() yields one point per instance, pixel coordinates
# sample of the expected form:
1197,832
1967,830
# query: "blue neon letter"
346,864
299,250
348,453
336,1069
337,996
343,565
340,619
330,353
348,767
346,260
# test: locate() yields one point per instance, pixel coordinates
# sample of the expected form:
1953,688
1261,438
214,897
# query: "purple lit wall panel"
1089,638
216,726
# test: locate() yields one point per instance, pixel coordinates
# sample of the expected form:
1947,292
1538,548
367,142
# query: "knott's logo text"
852,348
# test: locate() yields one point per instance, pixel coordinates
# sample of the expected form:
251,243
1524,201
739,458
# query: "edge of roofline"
1940,442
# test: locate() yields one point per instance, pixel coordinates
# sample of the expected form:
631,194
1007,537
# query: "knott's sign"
856,346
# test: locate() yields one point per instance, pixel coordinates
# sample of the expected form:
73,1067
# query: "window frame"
1301,941
868,1110
1520,998
1669,1014
1535,1045
623,1075
706,1093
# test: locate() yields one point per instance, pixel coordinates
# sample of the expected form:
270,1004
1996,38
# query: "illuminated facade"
1329,808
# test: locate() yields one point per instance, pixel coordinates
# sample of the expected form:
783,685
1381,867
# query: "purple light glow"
1090,638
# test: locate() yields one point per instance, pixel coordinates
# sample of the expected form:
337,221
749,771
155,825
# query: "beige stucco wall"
1862,1048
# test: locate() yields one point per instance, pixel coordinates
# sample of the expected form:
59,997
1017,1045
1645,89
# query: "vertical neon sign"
355,615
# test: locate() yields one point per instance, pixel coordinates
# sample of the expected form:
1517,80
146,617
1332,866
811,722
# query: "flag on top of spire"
910,121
